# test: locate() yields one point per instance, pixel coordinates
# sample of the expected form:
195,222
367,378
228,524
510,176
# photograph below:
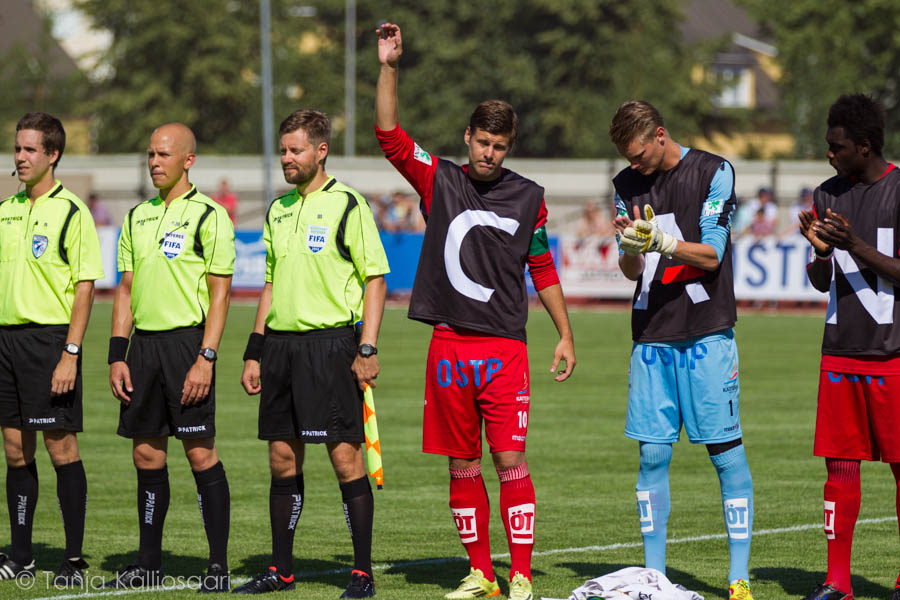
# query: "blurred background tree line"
564,64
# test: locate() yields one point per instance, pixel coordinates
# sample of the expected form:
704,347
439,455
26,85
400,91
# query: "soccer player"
176,256
325,268
484,224
49,259
854,233
684,361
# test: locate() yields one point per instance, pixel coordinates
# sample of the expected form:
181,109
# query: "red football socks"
842,498
517,512
471,512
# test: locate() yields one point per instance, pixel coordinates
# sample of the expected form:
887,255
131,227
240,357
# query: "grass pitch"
584,472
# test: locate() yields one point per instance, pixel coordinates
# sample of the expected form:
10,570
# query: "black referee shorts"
308,390
159,361
28,356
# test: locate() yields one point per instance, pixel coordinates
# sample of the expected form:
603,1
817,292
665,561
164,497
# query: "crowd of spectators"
397,212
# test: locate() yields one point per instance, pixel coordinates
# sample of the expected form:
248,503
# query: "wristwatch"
74,349
367,350
209,354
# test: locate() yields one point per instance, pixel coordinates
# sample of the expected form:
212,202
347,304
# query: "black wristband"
254,347
118,348
824,254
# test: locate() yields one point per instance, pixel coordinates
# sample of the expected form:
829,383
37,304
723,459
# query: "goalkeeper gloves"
644,235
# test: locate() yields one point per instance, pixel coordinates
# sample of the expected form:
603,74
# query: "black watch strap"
367,350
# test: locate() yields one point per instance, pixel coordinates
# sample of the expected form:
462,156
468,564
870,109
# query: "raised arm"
390,47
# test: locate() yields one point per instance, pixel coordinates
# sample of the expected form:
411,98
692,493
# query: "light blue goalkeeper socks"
737,507
653,502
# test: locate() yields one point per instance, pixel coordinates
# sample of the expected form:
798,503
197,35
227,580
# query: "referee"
49,259
325,271
176,256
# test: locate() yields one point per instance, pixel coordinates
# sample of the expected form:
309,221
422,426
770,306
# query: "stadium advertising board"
769,268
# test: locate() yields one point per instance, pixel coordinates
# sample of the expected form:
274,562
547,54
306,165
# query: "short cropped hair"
634,120
314,123
496,117
861,117
54,136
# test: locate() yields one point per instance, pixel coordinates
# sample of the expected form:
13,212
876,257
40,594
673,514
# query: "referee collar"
54,190
328,185
185,196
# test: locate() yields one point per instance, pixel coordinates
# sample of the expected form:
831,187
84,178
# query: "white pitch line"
434,561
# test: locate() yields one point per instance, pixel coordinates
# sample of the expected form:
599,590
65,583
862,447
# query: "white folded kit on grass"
632,582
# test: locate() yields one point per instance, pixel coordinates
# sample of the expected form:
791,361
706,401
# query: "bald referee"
176,256
49,259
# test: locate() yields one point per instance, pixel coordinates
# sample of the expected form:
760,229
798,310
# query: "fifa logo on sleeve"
645,511
737,513
829,520
465,523
521,524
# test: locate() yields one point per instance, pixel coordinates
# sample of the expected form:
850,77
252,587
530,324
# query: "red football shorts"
858,417
470,378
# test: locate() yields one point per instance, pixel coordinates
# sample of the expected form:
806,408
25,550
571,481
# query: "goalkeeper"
684,361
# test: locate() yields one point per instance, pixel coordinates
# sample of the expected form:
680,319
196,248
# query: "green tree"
564,64
36,83
831,47
177,61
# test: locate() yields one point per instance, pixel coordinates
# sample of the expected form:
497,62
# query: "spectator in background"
747,212
98,210
381,208
804,203
761,225
228,199
594,222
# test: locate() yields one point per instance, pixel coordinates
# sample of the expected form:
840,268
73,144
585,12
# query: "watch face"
72,348
367,350
208,353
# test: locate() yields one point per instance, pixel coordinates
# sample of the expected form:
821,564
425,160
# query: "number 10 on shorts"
523,419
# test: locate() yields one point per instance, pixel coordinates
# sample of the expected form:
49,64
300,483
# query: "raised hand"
390,44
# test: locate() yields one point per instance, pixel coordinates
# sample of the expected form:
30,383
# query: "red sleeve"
543,272
542,216
416,165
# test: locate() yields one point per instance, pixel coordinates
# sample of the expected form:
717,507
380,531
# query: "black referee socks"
359,509
285,506
71,491
21,499
215,510
153,503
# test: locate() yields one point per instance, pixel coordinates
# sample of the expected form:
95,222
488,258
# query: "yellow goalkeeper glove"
644,235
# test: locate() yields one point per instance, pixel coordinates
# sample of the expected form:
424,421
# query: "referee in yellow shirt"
325,271
49,259
176,256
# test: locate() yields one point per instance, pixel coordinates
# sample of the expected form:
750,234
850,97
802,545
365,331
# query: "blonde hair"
634,120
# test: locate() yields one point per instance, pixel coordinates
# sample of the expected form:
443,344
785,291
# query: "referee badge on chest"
38,245
172,244
316,237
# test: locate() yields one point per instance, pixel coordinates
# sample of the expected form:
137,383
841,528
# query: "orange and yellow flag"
373,443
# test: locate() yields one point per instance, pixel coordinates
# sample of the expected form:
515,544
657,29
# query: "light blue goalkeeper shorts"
694,382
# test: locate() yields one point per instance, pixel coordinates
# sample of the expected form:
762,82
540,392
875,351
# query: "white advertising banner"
109,243
768,268
772,268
